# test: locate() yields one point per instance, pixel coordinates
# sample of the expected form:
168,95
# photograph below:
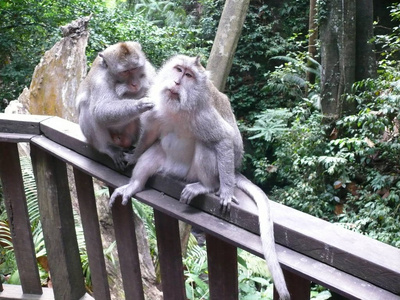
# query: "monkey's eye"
188,75
179,69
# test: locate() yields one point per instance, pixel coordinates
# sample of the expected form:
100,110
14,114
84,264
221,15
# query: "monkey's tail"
266,233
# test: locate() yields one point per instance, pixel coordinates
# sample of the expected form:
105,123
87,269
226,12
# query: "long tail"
266,233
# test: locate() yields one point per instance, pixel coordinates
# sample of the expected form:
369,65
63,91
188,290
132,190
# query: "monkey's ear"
198,61
103,60
138,45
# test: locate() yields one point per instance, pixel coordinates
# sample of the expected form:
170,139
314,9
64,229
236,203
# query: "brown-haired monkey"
192,134
108,99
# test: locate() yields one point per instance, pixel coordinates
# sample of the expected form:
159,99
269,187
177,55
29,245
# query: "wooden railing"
309,249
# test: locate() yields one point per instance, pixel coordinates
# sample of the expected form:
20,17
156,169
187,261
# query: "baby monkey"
192,134
108,99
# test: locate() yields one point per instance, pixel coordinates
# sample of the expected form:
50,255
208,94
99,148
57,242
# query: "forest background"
342,166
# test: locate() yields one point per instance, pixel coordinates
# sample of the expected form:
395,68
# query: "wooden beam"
58,225
170,255
91,230
222,269
128,253
299,287
340,248
26,124
18,218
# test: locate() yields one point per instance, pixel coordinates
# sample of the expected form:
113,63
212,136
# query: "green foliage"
196,271
270,123
266,34
348,172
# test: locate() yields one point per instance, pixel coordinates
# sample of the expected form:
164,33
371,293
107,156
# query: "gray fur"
108,99
192,134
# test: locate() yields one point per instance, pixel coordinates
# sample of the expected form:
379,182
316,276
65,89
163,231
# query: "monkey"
192,134
112,97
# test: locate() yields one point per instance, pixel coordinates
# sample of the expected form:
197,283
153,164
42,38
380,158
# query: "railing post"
299,288
90,223
17,212
128,253
58,225
222,269
170,254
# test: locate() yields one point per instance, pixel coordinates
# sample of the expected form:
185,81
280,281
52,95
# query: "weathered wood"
222,269
299,287
15,137
15,292
18,218
127,250
70,135
27,124
170,255
343,249
91,230
58,225
340,248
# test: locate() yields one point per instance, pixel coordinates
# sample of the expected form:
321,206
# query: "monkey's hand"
143,105
126,192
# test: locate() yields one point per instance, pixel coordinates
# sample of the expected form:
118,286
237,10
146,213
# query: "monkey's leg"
148,164
203,170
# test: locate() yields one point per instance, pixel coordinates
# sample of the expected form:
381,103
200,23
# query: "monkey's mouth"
173,95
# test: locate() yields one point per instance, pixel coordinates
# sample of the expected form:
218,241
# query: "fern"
270,123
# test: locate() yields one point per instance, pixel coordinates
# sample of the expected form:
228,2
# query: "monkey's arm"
220,135
119,112
226,169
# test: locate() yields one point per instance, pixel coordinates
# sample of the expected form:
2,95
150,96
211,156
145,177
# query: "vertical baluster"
58,225
299,288
127,250
90,223
170,254
222,269
17,212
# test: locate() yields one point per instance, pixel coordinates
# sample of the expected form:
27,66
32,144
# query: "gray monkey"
192,134
107,100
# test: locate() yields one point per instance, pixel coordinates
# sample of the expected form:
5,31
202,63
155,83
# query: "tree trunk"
365,58
338,53
228,33
312,39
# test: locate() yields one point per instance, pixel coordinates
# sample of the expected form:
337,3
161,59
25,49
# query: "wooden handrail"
309,249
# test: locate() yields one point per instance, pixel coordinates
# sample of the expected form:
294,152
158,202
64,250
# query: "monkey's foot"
126,192
120,163
192,190
130,158
117,155
225,201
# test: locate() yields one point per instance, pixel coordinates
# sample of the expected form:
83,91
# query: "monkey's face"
182,83
132,78
182,80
